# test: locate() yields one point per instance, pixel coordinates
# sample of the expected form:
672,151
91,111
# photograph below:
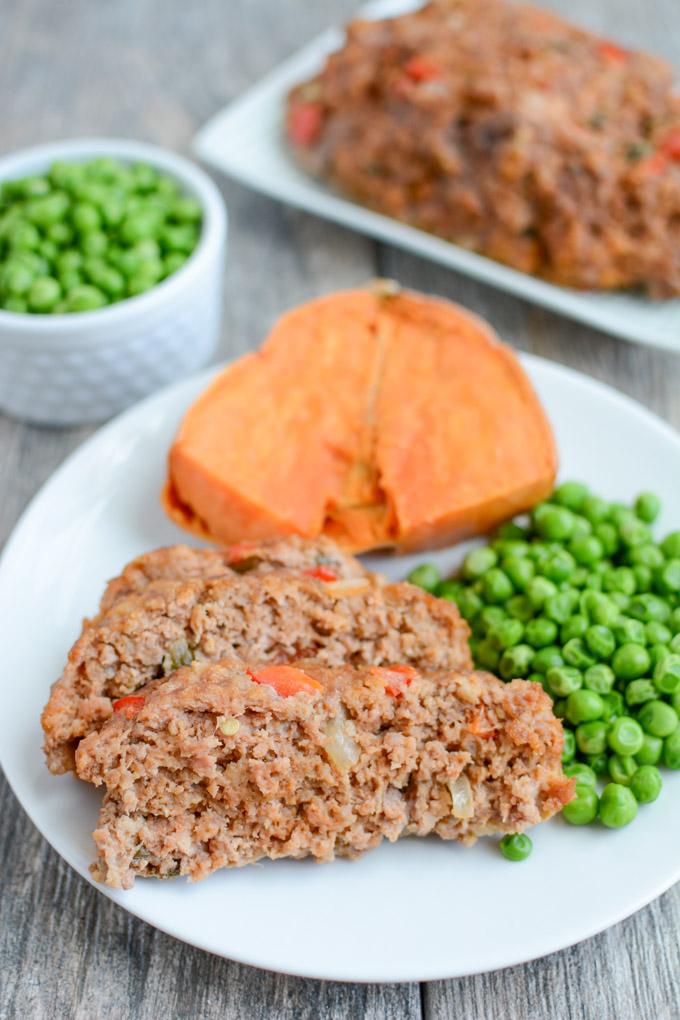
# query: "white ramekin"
85,367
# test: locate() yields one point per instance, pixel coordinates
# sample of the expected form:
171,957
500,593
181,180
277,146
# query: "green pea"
174,261
560,606
478,561
620,599
620,579
645,556
425,576
23,235
489,614
579,577
559,707
671,750
648,507
44,294
33,187
595,509
94,243
618,806
667,674
181,238
541,632
546,659
620,514
650,752
600,641
674,644
608,536
630,661
601,609
85,217
599,763
582,527
511,548
66,175
496,586
657,653
569,749
643,578
145,177
449,590
539,590
591,737
520,608
511,530
140,225
48,209
649,608
563,681
584,706
487,655
112,209
537,678
621,770
555,523
186,210
576,654
516,846
85,298
574,627
506,633
625,736
69,260
658,633
668,577
516,662
599,678
16,278
594,581
634,532
14,304
612,706
646,784
586,549
582,773
674,621
629,631
670,546
658,718
582,810
640,691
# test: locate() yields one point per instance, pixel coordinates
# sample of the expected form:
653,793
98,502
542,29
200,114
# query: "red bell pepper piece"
129,705
304,123
285,680
670,146
422,69
610,51
396,678
321,573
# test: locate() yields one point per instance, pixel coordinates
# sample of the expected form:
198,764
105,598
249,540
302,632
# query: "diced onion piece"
462,805
339,742
228,726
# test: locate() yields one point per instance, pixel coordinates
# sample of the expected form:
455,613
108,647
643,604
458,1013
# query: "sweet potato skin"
390,420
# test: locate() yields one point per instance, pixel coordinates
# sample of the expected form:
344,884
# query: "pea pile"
584,601
85,235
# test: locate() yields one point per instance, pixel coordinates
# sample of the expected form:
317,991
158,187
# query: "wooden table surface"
156,70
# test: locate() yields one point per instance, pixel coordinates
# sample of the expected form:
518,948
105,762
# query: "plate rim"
510,959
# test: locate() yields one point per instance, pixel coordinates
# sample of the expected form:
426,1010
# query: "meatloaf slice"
209,769
320,558
276,617
509,131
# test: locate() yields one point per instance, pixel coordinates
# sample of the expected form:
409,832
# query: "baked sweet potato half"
380,418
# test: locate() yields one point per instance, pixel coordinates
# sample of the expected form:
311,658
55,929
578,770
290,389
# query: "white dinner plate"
417,910
245,140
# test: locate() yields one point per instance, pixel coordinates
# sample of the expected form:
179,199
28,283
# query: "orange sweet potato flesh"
378,418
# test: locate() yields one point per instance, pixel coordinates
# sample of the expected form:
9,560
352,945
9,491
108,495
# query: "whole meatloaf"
321,558
218,766
276,617
510,132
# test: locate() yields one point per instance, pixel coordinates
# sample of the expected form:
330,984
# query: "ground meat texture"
275,617
182,562
510,132
214,770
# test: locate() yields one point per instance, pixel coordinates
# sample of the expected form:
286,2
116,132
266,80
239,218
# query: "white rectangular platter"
245,141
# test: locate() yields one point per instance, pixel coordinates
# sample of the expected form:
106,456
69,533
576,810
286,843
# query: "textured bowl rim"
37,327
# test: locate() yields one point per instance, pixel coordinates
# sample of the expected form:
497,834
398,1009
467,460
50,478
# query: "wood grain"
156,70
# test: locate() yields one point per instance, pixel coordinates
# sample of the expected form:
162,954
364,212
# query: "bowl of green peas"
582,597
111,267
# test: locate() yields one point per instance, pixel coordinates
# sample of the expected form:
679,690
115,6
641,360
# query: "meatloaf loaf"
212,770
276,617
321,558
510,132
